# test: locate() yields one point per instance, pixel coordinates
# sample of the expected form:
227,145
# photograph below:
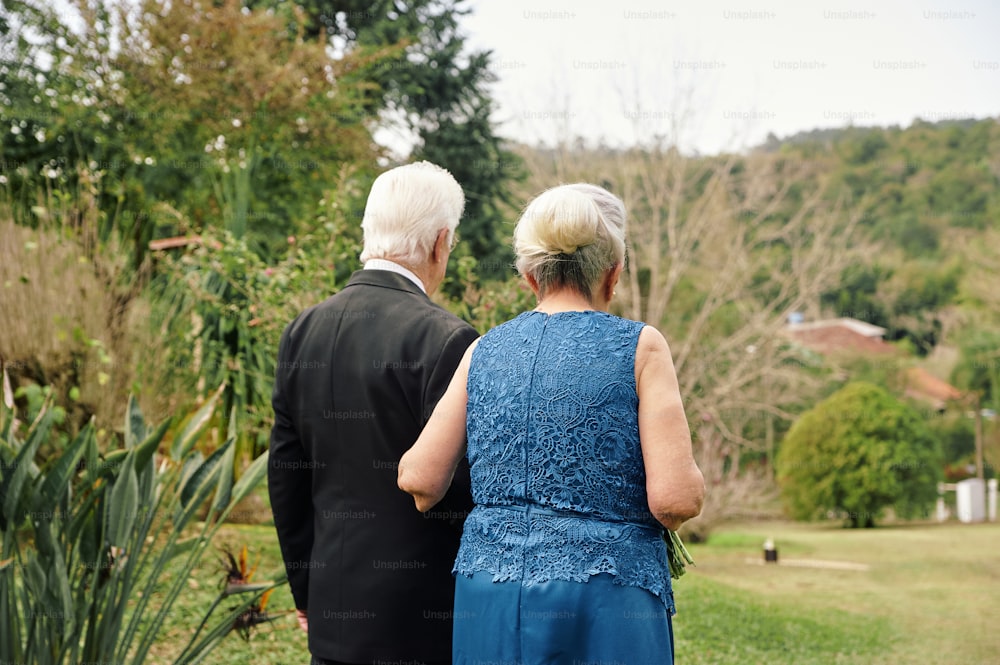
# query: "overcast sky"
721,75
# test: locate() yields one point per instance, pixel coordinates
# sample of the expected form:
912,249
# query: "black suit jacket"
357,378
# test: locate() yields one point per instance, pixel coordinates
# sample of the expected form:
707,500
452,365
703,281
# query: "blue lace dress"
560,560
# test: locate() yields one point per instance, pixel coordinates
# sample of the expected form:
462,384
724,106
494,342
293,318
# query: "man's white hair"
406,208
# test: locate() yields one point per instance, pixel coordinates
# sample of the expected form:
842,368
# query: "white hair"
570,236
407,207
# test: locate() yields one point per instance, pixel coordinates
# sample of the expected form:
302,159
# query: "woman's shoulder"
651,339
651,345
626,327
505,330
631,323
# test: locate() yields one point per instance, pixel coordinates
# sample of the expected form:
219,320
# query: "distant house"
838,336
924,386
845,336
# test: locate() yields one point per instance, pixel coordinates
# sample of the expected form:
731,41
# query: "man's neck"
414,276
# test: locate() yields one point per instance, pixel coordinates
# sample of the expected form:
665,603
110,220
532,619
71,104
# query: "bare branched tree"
721,251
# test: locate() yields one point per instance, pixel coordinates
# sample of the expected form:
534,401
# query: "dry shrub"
53,318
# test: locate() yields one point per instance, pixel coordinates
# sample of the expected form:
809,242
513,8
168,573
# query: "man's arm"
457,501
289,483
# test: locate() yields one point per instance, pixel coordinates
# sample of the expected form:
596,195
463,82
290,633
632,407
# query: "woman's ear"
612,281
533,283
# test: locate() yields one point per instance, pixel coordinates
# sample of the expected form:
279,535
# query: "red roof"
178,241
838,338
923,385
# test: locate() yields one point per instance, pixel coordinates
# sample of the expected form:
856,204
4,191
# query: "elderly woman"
580,454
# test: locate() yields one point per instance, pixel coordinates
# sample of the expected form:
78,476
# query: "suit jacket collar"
392,266
384,279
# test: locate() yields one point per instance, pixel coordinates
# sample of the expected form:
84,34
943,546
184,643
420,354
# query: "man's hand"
303,621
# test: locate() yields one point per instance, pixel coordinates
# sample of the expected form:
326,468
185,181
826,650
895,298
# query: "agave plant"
89,539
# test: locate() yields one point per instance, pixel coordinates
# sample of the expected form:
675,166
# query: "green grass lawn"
930,596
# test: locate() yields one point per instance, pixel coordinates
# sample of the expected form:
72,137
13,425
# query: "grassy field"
929,595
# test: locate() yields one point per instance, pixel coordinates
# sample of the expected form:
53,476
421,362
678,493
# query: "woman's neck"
567,300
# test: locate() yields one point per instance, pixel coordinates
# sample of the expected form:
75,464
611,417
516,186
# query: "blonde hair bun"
558,221
570,236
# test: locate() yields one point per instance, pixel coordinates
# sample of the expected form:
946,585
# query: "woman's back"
553,416
557,467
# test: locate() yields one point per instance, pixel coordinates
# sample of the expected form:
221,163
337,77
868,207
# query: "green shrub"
856,453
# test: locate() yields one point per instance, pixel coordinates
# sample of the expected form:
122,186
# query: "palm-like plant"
88,539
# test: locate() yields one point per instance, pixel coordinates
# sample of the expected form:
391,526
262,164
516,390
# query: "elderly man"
358,375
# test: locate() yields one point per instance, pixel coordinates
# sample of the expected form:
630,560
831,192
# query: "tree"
857,296
978,367
917,294
188,115
978,371
856,453
129,121
429,89
720,251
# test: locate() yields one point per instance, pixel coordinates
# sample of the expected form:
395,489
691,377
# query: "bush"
223,308
856,453
88,539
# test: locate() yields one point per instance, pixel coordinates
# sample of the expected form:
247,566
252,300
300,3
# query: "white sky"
719,75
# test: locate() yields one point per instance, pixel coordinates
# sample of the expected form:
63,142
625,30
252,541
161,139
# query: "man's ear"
440,250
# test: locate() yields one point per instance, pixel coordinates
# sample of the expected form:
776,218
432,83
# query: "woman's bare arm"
675,487
426,469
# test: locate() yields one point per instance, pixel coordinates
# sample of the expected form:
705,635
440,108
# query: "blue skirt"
558,623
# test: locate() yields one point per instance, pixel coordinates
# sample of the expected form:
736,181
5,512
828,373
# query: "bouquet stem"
677,555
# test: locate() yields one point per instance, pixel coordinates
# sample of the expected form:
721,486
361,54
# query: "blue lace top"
553,442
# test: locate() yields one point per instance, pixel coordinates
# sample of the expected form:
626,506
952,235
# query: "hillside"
927,197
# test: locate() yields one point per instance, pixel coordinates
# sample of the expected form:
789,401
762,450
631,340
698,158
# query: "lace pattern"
553,443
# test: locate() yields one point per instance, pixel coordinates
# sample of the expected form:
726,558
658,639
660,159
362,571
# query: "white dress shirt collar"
391,266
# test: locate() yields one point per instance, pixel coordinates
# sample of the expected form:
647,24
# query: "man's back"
357,377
